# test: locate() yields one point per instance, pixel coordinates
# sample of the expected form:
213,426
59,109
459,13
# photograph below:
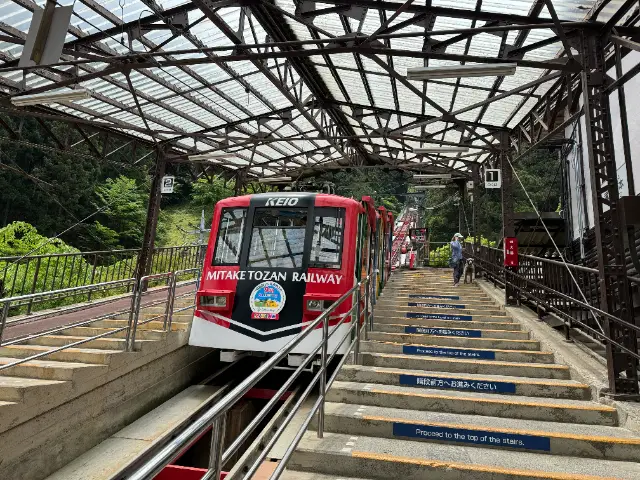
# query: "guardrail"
134,313
214,418
24,276
549,286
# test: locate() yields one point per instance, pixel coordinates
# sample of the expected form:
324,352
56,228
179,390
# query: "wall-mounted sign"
492,178
510,252
418,235
167,184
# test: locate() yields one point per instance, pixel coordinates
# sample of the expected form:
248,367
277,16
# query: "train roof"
245,200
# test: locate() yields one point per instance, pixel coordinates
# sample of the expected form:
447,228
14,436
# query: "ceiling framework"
297,87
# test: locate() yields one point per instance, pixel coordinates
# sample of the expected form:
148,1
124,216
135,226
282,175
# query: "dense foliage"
386,187
101,204
540,174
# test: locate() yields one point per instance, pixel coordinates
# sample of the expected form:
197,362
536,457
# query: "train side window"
277,238
328,231
229,240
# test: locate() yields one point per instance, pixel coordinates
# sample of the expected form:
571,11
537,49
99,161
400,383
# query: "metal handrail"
214,417
95,252
45,273
551,261
567,319
131,326
4,313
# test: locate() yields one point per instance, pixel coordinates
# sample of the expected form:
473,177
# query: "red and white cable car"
274,262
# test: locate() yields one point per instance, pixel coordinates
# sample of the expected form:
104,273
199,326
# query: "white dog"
469,271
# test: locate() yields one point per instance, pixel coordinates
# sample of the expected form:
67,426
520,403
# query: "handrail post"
373,306
34,284
323,374
134,315
3,318
93,275
134,293
356,347
217,448
367,318
171,295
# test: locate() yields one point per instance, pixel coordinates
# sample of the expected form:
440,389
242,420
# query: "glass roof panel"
203,96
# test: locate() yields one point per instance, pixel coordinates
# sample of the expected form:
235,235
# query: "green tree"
123,215
206,194
540,174
21,238
387,188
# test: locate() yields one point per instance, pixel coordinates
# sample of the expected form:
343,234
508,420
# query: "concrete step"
73,354
142,334
411,302
117,323
426,320
297,475
493,405
511,385
162,308
466,365
342,456
445,287
435,308
458,331
589,441
437,294
413,294
105,343
52,370
453,338
25,390
434,349
399,299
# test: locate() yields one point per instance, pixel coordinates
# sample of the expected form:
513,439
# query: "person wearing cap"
457,260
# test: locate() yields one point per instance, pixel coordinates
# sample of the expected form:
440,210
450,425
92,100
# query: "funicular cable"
584,298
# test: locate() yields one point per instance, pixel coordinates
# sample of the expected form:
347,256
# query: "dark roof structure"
289,87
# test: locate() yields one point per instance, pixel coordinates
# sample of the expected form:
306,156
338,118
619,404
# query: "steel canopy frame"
294,89
321,115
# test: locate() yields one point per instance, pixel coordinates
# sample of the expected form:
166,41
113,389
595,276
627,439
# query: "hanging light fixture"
441,150
51,97
461,71
274,180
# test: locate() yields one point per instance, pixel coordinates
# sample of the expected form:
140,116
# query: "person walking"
457,260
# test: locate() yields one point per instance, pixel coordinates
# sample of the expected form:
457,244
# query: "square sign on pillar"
168,183
510,252
492,178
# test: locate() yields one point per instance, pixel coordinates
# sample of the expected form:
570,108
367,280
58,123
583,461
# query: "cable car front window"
229,238
277,238
328,230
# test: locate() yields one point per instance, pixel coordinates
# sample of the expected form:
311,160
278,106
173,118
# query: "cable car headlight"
213,300
314,305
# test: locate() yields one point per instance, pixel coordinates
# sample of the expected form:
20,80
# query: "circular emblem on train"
267,301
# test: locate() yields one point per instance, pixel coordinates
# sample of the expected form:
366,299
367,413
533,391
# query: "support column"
614,288
461,206
143,266
508,225
240,179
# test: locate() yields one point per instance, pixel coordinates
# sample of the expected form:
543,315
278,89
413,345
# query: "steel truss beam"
615,290
289,93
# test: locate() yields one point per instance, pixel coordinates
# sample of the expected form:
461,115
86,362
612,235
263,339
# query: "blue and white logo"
267,300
